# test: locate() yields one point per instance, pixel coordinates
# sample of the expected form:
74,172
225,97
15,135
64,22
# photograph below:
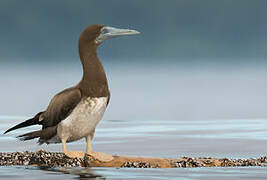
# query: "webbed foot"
101,156
74,154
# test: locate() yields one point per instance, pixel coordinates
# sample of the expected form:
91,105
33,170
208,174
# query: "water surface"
158,110
166,138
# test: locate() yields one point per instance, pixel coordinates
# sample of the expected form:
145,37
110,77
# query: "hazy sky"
194,59
180,28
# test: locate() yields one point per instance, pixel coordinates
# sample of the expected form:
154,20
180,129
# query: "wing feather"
61,106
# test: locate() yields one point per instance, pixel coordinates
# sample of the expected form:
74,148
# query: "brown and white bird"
75,112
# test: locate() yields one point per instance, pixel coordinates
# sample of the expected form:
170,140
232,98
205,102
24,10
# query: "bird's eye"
104,30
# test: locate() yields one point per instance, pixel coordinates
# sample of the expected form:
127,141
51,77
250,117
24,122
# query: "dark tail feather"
29,136
43,135
26,123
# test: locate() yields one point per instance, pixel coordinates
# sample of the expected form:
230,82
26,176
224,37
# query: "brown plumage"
89,94
93,84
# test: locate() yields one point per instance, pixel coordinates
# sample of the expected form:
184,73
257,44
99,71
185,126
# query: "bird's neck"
94,82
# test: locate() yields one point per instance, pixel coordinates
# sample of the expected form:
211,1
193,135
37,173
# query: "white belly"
83,119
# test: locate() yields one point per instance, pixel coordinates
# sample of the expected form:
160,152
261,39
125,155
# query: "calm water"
159,111
168,138
126,173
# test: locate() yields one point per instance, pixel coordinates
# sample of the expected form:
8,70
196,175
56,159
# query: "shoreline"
43,158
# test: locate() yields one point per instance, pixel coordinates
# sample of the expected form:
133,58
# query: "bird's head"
96,34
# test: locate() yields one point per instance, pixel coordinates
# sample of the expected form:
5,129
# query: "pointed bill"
111,32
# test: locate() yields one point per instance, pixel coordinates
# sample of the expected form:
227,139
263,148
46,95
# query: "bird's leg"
71,154
97,155
88,145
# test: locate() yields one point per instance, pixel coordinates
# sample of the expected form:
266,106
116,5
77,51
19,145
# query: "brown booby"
74,113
